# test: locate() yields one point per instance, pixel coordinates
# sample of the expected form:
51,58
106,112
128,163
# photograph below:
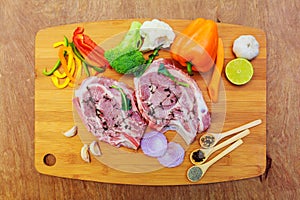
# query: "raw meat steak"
100,108
169,105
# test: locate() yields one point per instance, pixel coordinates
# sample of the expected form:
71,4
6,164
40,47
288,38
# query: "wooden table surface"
20,21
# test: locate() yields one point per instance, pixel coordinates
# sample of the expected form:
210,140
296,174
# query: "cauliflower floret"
246,46
156,33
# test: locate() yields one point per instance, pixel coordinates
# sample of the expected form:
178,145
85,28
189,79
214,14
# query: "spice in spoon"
194,173
198,156
207,141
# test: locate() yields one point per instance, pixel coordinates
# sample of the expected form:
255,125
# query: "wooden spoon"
196,172
203,154
209,140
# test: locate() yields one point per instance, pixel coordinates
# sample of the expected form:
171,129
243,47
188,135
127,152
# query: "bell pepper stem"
189,68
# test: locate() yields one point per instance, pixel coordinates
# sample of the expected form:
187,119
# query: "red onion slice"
154,144
174,155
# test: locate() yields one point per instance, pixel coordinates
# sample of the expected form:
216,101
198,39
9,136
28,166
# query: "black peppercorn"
198,156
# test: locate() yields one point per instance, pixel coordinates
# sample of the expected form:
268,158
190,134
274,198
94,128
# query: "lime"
239,71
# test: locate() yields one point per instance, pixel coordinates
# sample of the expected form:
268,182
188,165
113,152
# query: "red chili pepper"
88,40
78,30
88,48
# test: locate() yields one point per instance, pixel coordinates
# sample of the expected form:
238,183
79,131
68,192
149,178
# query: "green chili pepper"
77,52
66,41
49,73
86,64
86,69
97,69
57,64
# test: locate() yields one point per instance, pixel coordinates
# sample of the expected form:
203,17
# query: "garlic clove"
72,132
95,148
85,153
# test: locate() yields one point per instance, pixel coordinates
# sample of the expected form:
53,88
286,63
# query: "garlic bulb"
246,46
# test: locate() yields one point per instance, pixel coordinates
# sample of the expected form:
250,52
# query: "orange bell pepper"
196,46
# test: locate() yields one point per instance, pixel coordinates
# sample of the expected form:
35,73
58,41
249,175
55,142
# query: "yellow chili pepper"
73,63
57,84
64,43
78,70
56,66
71,84
76,64
67,81
57,44
60,75
69,68
72,67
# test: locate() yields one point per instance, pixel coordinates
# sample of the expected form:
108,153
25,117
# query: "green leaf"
163,70
126,102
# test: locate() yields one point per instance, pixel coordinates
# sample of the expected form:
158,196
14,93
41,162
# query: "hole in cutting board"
49,159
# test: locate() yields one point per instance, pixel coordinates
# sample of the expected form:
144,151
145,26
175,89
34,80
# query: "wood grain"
119,166
21,20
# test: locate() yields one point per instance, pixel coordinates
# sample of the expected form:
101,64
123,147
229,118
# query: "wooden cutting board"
60,156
